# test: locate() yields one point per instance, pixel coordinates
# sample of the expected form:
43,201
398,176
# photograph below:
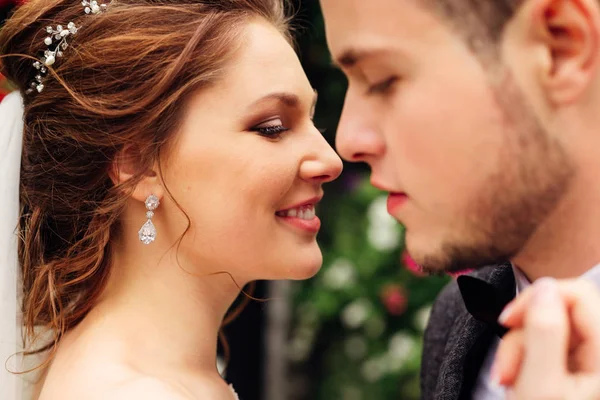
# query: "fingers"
546,337
582,300
509,357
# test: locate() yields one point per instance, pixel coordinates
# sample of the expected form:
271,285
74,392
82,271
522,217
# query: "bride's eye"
272,129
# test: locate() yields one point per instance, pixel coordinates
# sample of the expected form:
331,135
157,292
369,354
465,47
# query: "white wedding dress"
11,137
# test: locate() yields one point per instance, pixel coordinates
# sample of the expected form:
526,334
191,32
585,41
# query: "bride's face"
247,154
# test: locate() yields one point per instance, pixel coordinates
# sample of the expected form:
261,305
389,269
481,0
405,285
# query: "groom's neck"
567,243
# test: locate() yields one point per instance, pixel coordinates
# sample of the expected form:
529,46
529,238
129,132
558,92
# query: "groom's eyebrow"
350,57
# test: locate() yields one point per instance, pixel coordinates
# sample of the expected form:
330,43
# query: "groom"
480,118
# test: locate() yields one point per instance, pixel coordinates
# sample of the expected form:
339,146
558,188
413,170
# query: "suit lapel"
468,343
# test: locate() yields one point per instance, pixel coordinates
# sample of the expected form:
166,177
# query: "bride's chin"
304,265
307,269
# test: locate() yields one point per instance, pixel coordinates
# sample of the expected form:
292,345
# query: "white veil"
11,139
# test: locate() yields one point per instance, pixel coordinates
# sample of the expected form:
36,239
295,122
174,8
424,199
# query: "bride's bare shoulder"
117,382
124,385
96,369
147,388
144,388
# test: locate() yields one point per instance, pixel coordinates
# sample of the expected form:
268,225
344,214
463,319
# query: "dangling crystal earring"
147,233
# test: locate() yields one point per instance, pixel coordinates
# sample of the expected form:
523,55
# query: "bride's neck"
166,314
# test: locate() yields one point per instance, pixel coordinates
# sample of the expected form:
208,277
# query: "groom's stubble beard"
532,176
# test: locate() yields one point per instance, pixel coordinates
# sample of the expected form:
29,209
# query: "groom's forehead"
473,17
361,31
373,20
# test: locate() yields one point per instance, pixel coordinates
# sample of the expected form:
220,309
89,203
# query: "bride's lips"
302,215
395,201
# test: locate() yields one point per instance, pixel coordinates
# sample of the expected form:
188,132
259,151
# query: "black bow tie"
484,301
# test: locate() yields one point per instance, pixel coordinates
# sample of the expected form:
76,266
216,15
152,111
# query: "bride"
168,158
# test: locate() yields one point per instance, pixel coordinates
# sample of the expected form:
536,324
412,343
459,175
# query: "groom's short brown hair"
483,19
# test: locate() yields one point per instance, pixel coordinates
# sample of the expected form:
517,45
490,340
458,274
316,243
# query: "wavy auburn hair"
123,81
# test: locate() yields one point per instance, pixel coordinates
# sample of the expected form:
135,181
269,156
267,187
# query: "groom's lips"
395,201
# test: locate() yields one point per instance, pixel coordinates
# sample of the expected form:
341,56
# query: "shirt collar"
523,283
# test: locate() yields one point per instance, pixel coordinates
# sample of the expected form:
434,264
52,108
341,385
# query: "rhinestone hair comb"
56,42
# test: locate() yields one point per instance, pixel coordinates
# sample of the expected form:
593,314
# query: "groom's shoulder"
447,310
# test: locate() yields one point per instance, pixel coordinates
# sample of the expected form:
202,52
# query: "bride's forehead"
265,62
263,49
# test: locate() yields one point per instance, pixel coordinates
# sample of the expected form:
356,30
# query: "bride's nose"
322,164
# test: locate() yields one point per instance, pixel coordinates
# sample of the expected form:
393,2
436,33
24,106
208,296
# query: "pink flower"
395,299
411,265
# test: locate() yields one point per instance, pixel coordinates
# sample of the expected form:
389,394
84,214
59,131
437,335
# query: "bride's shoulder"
92,369
106,382
148,388
141,387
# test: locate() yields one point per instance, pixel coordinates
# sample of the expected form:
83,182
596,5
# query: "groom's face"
471,171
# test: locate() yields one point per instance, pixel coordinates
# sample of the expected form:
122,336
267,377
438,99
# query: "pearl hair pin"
56,43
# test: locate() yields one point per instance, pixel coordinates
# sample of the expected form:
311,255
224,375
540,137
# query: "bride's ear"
126,165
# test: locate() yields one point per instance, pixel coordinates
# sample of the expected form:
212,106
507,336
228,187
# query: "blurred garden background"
354,331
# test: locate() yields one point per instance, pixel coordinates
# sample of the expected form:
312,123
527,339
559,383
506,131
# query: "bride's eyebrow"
288,99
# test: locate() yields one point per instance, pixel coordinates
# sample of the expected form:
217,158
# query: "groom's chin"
430,262
427,254
452,259
436,265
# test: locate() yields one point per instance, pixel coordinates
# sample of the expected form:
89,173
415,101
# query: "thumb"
544,368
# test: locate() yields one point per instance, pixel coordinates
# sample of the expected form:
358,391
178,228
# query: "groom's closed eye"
383,87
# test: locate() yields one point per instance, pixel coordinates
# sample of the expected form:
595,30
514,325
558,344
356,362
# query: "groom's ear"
128,166
560,41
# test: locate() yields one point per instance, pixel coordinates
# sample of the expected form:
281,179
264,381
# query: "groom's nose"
358,138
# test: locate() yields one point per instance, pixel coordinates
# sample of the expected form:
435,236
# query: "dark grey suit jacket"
455,343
